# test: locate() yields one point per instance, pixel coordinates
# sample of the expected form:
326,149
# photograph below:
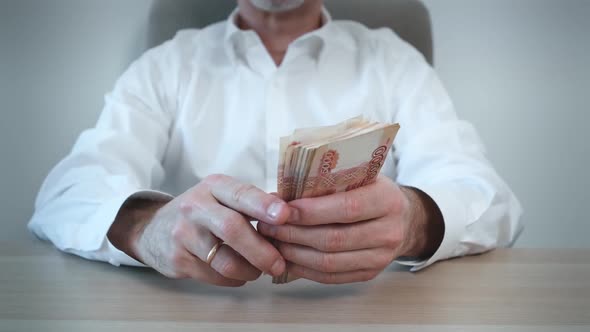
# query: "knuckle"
185,206
396,202
228,268
178,260
390,242
214,178
335,240
229,228
284,249
352,207
327,262
383,260
179,231
191,207
392,239
241,191
288,233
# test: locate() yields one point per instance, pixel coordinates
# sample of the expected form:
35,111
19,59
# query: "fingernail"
294,215
278,267
274,210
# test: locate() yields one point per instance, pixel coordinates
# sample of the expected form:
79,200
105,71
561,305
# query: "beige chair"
408,18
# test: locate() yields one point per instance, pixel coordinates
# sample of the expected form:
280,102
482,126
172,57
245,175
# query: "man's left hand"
353,236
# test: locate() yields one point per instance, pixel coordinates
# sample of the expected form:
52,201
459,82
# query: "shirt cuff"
105,217
453,212
117,257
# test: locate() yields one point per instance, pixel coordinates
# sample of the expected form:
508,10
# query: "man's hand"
352,236
175,238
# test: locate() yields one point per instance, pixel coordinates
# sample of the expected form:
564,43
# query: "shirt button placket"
272,106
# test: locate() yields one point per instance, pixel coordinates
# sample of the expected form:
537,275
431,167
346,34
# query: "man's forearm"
426,230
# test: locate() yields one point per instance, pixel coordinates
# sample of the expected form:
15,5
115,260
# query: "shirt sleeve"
444,157
119,158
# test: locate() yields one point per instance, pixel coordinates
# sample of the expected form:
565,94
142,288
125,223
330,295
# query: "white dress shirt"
213,101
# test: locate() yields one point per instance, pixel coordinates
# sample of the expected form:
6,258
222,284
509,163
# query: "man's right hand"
175,237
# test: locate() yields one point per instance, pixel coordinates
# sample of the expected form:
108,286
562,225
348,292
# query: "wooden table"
511,289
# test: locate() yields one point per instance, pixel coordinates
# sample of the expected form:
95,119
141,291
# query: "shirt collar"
238,41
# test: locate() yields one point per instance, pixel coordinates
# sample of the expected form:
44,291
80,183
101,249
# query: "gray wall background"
517,69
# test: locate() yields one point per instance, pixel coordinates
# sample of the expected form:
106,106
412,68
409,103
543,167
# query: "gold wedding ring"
213,252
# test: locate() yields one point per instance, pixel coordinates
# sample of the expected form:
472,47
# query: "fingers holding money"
183,237
227,221
248,199
337,253
345,237
336,262
364,203
334,237
333,268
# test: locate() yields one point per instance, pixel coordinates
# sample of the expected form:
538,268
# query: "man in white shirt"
185,155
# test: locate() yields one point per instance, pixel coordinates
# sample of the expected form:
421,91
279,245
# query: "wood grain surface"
42,289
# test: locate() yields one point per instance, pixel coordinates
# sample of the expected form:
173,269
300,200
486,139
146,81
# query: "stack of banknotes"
325,160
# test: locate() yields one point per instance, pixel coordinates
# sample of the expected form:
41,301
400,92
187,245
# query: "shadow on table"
299,289
145,280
